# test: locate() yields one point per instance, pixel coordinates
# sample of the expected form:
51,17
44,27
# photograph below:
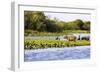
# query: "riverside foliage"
46,43
37,21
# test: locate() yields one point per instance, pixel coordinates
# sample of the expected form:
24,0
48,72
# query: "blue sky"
68,17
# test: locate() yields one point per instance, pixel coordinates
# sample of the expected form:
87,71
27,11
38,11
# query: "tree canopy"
37,20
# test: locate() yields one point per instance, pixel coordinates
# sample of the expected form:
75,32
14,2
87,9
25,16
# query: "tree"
34,20
38,21
28,19
79,23
72,25
86,25
61,25
50,25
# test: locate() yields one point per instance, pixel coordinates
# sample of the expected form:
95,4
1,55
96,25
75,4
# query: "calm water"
54,37
67,53
43,37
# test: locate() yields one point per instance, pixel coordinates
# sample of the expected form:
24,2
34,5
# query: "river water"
60,37
66,53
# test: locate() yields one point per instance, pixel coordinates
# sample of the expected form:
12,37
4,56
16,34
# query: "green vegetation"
38,24
46,43
65,32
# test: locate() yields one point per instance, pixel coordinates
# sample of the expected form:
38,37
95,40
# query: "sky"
68,16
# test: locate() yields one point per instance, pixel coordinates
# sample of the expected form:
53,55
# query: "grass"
36,33
46,43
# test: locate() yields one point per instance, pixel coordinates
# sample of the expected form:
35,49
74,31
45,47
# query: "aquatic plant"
49,43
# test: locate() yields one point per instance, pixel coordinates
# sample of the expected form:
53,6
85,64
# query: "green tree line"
38,21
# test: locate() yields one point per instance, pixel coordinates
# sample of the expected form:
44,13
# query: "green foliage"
65,32
46,43
86,25
34,20
38,21
79,23
74,25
